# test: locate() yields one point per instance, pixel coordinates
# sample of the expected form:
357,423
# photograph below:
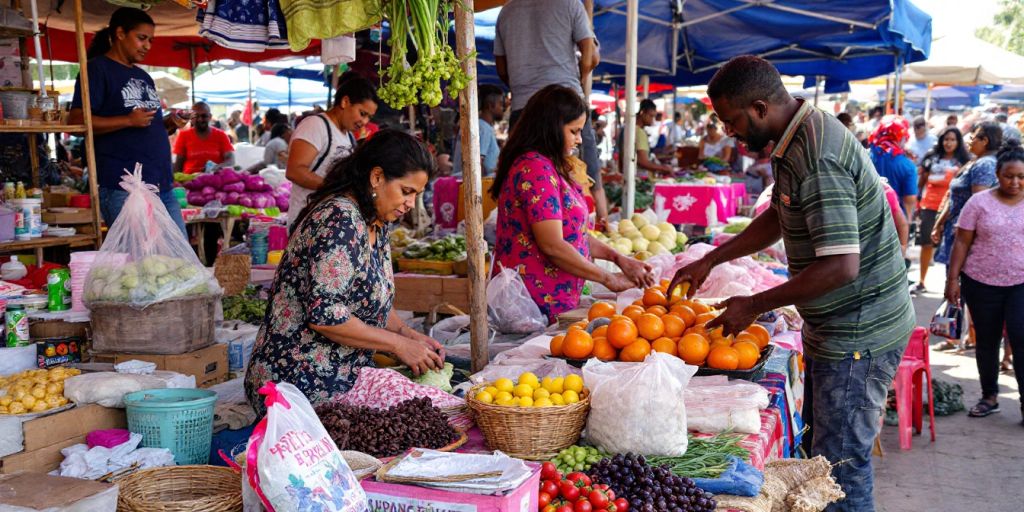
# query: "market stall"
699,204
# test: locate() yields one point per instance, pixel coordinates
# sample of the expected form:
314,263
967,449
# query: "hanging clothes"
244,25
338,50
324,19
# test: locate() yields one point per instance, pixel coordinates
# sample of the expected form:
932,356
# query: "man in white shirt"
923,141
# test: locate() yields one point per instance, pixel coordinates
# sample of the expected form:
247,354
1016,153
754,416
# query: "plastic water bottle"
13,270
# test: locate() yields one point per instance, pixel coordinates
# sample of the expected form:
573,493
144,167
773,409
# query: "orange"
556,345
693,348
582,324
684,312
761,333
664,283
621,333
696,329
604,350
720,342
748,354
724,358
674,326
698,307
654,297
577,344
601,310
632,312
657,310
703,318
635,352
718,333
665,345
746,336
620,317
650,326
600,332
638,302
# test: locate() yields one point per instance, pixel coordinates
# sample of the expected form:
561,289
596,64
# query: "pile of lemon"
530,391
34,390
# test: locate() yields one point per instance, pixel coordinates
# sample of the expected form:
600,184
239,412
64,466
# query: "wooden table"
227,226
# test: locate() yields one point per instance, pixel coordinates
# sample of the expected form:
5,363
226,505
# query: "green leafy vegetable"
706,457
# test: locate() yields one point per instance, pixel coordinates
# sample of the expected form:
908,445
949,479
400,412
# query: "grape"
650,488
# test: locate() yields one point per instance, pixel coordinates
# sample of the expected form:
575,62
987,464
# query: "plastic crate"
180,420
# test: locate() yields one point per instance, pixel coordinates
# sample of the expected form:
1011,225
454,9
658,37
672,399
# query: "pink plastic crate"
387,497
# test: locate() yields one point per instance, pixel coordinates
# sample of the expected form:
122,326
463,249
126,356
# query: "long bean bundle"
706,457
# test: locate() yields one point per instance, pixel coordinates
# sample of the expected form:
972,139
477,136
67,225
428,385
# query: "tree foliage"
1007,28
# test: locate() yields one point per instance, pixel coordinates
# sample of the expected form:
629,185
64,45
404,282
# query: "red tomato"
550,487
548,471
569,491
543,500
598,499
577,478
564,508
583,506
549,508
621,505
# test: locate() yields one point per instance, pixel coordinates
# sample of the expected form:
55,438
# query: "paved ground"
976,464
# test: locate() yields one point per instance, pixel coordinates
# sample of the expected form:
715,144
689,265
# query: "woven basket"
233,272
533,433
157,329
181,489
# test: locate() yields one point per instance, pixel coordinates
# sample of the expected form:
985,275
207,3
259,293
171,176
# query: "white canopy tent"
967,60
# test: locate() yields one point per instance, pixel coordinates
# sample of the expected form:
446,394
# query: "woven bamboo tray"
181,489
533,433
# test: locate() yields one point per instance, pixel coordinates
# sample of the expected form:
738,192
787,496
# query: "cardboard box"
388,496
209,365
58,198
422,294
43,329
58,351
78,216
32,491
43,438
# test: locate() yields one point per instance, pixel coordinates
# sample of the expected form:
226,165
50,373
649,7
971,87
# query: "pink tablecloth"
703,205
766,445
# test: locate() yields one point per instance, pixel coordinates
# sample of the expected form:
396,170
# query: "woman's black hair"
397,153
279,129
540,129
993,134
1011,151
960,153
126,19
356,88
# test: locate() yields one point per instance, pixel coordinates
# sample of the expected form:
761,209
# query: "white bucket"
32,209
15,103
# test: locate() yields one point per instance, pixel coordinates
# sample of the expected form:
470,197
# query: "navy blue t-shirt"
116,90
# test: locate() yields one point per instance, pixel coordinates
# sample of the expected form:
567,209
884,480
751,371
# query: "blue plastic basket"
180,420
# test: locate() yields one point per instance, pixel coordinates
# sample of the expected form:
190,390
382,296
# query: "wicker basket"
233,272
181,489
173,326
533,433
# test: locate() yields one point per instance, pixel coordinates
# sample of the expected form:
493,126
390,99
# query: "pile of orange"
660,322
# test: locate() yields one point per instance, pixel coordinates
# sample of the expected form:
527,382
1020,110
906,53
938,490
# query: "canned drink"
58,287
16,322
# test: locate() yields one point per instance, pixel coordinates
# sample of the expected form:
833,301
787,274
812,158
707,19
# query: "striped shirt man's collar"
787,136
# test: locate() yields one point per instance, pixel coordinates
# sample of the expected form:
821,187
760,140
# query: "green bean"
705,457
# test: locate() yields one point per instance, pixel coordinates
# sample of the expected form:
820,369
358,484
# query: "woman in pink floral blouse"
542,216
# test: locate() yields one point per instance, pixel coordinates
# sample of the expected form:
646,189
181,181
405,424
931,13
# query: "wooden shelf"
47,241
50,128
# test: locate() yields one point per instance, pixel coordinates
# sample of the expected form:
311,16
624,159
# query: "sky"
952,17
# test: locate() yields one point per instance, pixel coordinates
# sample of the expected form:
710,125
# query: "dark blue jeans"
112,200
843,401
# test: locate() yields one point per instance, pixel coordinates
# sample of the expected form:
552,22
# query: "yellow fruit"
570,397
3,409
540,393
546,383
505,399
504,385
39,391
16,408
525,401
503,395
543,402
19,394
54,388
53,401
63,401
484,397
28,401
492,390
574,383
5,401
523,390
557,399
40,406
557,385
530,379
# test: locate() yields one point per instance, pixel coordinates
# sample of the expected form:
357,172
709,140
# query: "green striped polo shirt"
830,201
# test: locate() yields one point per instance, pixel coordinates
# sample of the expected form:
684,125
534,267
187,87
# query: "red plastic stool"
913,367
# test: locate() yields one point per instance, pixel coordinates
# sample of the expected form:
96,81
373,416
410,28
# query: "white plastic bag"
108,388
293,464
716,404
145,257
510,307
638,408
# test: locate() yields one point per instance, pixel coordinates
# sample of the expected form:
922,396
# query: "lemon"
3,409
525,401
505,400
39,391
5,401
558,385
484,397
19,394
504,385
523,390
28,401
546,383
503,395
556,398
62,401
570,397
16,408
492,390
543,402
540,393
574,383
530,379
40,406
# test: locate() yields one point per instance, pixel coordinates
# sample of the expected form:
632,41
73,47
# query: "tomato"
621,505
549,508
564,508
548,471
583,506
550,487
543,500
598,499
568,490
577,477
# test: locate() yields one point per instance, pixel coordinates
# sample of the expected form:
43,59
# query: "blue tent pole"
289,94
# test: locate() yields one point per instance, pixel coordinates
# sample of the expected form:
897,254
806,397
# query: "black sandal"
983,408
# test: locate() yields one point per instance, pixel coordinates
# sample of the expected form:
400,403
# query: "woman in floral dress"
542,216
331,302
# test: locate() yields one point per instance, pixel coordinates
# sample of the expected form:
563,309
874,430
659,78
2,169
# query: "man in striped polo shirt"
848,280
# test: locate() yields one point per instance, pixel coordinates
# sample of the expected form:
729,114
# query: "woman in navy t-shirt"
127,120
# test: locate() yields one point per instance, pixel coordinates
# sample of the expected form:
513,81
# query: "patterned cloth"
329,274
979,172
244,25
532,193
891,135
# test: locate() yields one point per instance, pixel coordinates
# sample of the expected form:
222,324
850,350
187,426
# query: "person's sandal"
947,345
983,408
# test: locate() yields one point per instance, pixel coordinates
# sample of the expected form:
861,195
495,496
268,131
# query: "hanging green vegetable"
425,22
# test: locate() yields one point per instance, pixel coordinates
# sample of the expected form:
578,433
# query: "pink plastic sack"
382,388
107,438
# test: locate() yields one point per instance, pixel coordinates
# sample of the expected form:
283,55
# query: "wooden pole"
90,151
469,129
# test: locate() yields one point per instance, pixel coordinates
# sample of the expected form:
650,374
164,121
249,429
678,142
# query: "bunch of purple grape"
650,489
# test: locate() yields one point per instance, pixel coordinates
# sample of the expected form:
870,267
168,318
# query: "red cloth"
198,151
891,134
247,114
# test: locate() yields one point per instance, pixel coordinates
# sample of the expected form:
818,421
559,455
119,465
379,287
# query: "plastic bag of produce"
293,464
638,408
716,404
510,307
145,258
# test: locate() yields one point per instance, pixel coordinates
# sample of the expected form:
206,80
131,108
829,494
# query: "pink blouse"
995,256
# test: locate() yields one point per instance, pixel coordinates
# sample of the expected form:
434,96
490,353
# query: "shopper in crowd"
847,120
829,209
922,141
276,150
675,134
127,117
985,268
1009,131
952,120
332,299
527,60
272,118
492,110
202,143
714,143
892,163
542,225
644,158
937,170
323,139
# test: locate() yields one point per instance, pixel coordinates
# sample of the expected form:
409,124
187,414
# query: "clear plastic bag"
145,258
716,404
293,464
638,408
510,307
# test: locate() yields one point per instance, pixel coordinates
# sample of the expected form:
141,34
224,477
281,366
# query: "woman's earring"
374,194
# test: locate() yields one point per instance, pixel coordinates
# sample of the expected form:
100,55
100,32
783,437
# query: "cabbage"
440,379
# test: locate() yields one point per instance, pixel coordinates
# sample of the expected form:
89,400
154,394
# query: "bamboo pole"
90,151
469,129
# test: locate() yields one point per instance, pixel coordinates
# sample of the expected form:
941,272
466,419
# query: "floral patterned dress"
979,172
532,193
328,274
